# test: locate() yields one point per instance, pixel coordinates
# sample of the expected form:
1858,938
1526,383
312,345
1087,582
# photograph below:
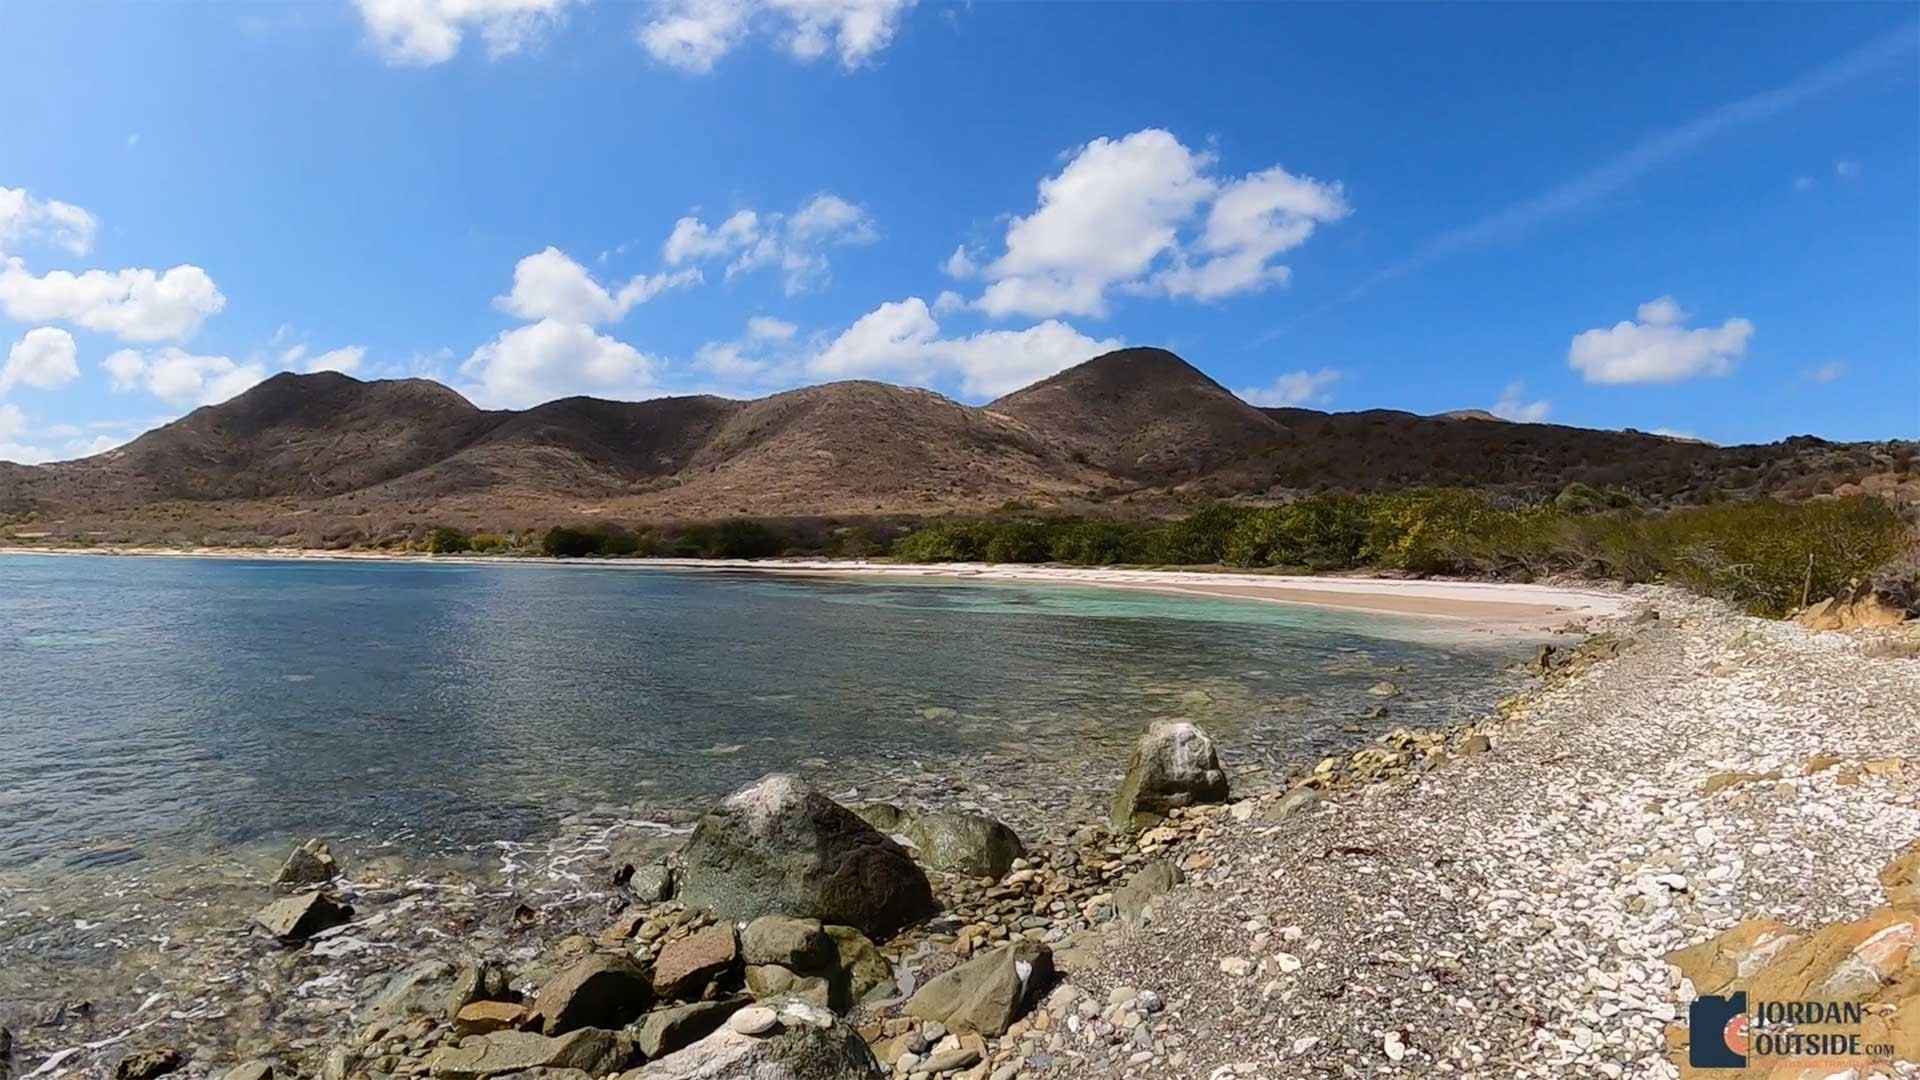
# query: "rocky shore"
1691,799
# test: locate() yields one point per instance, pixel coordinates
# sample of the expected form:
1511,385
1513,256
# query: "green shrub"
1094,543
736,538
599,539
490,543
1018,542
1770,557
1201,537
447,540
1421,531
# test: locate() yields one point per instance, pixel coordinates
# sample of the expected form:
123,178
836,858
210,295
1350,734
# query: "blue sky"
1694,218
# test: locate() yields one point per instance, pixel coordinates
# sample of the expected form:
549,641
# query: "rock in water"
298,918
1135,900
602,991
1174,764
792,1039
310,864
989,992
598,1052
969,843
780,847
147,1064
420,988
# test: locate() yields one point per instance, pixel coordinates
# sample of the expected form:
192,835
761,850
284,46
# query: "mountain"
327,459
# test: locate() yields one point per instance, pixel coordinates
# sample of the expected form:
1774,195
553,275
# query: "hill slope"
325,458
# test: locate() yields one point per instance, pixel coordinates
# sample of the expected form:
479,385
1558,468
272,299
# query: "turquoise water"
165,709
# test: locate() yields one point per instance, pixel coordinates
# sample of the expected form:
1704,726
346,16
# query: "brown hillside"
1144,414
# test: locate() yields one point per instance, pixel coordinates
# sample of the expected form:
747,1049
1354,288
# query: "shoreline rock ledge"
1174,765
780,847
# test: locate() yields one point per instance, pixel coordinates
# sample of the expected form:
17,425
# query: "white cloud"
948,302
1658,348
692,35
181,378
345,361
421,33
1846,170
14,433
551,359
1113,218
13,426
1514,406
1802,183
1832,371
1294,388
763,328
550,285
960,264
793,243
134,305
902,340
43,358
23,217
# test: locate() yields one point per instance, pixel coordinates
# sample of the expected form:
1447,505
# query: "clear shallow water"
162,711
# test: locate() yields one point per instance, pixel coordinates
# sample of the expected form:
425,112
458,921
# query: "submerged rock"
310,864
989,992
298,918
602,991
421,988
780,847
1174,764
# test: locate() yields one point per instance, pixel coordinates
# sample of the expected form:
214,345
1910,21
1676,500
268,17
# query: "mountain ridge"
326,458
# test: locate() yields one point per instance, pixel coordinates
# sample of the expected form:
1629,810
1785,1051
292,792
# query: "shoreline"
1505,910
1499,607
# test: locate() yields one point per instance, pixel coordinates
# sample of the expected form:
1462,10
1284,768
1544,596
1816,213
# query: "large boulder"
780,847
310,864
989,992
298,918
790,1040
605,990
590,1049
1173,765
968,843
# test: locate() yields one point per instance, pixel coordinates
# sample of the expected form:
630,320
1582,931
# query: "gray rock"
967,843
298,918
595,1051
885,817
1174,764
865,972
989,992
686,966
663,1031
252,1070
602,991
799,944
1134,901
651,883
1384,689
780,847
1298,800
1475,744
311,863
478,980
418,988
793,1042
959,1057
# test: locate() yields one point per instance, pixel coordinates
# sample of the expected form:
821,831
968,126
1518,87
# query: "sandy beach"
1494,607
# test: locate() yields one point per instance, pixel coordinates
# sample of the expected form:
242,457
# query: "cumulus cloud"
1514,406
1658,348
64,225
1832,371
553,358
692,35
792,243
181,378
1122,214
43,358
421,33
1294,388
902,340
345,361
550,285
137,306
13,426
